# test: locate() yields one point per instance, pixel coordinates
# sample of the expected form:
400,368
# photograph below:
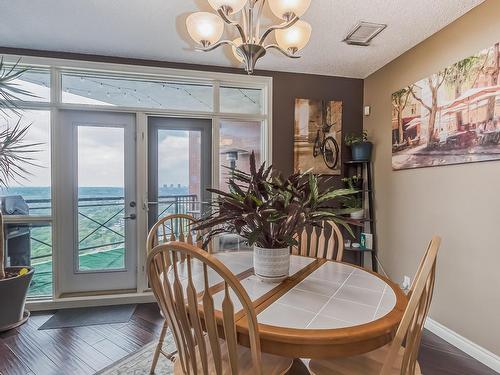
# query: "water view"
101,231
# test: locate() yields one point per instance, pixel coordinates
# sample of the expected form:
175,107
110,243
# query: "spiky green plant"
15,154
10,92
269,210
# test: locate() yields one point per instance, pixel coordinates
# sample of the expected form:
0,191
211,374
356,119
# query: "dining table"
323,309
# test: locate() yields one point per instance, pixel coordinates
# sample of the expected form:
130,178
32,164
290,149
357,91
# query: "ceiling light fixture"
292,34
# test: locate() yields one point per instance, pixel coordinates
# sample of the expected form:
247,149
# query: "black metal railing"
107,221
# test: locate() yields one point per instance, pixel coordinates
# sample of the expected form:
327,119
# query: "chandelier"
292,34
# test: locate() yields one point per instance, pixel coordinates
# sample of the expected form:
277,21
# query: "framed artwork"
318,136
451,117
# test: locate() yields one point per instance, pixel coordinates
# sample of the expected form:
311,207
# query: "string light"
246,96
135,94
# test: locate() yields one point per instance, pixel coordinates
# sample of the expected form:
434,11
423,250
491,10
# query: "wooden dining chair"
321,242
176,227
191,312
394,358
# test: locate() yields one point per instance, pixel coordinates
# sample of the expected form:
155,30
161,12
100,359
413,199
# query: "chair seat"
271,364
366,364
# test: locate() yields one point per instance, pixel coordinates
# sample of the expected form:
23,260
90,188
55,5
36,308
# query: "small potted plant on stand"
269,211
14,281
354,205
354,182
361,148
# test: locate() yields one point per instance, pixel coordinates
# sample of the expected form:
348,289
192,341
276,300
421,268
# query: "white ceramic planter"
271,265
358,214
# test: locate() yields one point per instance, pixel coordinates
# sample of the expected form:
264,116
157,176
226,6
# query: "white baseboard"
475,351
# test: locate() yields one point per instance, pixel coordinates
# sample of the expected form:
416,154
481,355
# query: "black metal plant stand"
367,224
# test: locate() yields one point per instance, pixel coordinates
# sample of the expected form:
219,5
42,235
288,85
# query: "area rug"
88,316
139,363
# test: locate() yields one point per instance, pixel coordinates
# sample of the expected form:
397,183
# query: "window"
95,190
238,139
179,166
36,82
32,173
83,88
240,100
101,203
31,244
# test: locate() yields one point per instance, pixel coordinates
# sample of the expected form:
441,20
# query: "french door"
179,166
97,199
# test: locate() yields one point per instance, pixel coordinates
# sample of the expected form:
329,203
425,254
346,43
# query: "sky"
100,153
100,150
173,157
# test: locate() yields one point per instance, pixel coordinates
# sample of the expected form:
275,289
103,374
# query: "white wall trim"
90,301
475,351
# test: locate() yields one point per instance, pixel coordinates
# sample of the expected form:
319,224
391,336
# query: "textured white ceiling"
154,29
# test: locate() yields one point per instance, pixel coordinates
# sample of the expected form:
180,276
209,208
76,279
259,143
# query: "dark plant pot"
362,151
13,293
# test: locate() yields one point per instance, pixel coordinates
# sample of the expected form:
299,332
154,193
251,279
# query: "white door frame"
72,280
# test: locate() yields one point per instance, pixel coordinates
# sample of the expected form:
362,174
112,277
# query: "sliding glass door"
99,230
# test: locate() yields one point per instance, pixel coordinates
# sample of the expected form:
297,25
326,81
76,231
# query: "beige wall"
461,202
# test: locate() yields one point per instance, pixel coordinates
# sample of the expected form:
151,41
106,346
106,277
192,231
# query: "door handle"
130,217
146,204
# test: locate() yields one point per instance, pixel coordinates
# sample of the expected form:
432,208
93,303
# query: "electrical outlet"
406,282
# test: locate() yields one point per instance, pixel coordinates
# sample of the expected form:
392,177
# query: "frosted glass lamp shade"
235,5
238,42
205,28
295,37
284,8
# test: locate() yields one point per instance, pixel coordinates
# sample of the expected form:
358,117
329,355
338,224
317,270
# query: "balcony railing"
101,224
101,234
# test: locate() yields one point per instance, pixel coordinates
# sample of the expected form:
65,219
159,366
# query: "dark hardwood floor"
85,350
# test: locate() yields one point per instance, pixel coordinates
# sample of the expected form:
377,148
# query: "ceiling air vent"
363,33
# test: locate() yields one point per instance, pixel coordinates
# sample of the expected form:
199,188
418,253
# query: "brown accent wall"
286,87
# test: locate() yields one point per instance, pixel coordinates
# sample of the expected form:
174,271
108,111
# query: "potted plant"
354,206
14,152
269,211
361,148
354,182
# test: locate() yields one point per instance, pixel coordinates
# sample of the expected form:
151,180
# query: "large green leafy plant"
269,210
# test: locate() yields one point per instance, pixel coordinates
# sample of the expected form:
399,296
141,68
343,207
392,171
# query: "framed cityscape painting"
318,136
451,117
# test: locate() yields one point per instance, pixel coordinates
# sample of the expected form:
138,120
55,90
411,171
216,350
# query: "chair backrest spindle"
176,227
321,242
